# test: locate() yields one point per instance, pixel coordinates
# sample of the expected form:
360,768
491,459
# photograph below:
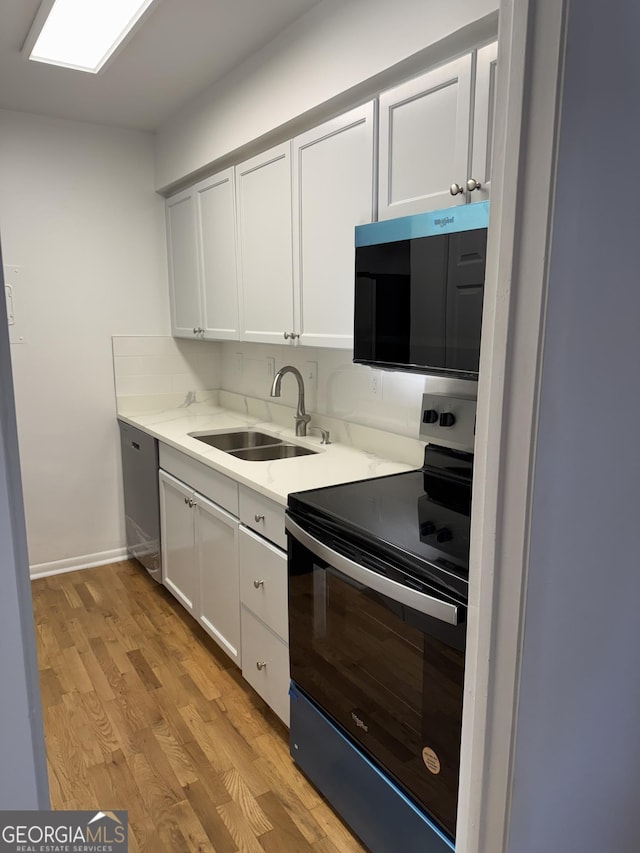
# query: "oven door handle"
444,611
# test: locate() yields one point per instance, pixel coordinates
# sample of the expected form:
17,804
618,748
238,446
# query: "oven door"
385,662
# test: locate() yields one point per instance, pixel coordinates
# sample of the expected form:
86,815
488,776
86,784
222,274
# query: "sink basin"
236,440
267,454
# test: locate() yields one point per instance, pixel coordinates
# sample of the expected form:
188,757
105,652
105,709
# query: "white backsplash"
334,386
156,364
351,392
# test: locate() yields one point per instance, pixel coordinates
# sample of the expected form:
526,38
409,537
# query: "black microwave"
419,287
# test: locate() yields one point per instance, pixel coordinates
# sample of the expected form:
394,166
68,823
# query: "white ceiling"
181,48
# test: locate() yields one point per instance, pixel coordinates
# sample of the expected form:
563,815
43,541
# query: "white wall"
79,216
338,46
577,754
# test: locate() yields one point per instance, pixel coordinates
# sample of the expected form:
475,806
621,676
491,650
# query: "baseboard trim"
74,564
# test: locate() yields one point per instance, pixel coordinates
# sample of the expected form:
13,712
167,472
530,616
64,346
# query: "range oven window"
387,674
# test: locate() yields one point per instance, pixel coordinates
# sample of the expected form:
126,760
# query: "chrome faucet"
302,418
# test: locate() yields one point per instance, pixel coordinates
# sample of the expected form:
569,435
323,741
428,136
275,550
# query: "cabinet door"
333,192
219,601
263,191
184,286
424,141
215,210
482,145
178,538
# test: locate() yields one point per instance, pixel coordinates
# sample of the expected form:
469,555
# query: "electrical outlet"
271,367
375,383
310,374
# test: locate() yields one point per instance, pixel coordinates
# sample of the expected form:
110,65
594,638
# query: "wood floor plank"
239,827
285,834
191,828
247,803
211,821
50,687
144,712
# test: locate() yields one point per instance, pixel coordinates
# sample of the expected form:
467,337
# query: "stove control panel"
448,421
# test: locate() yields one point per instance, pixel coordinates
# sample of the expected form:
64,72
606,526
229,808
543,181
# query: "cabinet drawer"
265,664
263,515
263,581
210,483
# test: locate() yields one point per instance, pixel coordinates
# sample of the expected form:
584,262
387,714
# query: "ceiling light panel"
82,34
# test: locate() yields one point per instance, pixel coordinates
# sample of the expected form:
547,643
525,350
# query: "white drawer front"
213,485
263,581
265,664
263,515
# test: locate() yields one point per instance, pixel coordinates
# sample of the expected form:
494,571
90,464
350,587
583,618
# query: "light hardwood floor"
143,712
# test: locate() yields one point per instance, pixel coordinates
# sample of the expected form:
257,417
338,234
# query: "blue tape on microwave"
466,217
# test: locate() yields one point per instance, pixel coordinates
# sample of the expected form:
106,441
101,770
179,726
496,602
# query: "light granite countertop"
171,422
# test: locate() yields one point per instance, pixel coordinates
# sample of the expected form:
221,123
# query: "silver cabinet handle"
258,517
260,665
421,601
472,185
456,189
258,584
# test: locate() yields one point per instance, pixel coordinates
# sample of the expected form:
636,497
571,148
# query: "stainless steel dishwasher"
141,498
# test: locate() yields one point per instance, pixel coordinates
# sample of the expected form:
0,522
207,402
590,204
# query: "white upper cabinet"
333,169
484,109
263,192
201,238
216,226
182,246
424,141
435,137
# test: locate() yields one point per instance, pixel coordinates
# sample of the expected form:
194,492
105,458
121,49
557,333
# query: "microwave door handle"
444,611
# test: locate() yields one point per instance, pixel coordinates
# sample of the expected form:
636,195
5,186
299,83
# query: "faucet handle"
323,432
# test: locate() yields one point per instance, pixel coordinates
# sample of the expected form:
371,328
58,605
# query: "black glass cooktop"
419,518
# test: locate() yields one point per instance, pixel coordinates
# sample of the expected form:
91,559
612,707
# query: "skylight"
82,34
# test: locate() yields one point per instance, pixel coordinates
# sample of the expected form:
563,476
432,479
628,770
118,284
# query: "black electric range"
419,520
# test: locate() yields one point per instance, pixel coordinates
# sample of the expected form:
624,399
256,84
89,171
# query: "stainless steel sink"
267,454
238,440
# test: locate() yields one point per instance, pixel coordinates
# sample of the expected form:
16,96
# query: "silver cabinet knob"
472,185
186,500
287,336
260,665
258,584
456,189
258,517
290,335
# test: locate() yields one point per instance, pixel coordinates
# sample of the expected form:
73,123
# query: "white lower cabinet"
218,604
178,536
264,615
265,664
230,578
200,557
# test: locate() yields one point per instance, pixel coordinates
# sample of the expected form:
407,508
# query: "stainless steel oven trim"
427,604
